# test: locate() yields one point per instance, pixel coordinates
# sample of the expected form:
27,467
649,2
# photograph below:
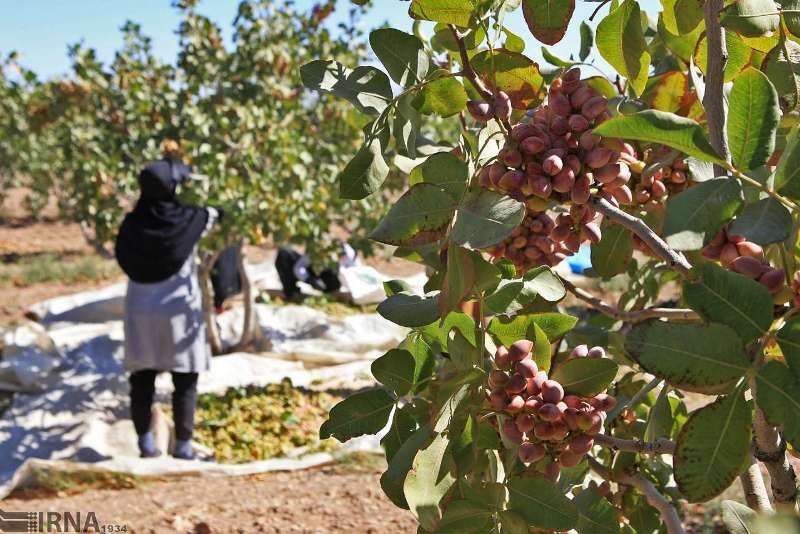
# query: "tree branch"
659,446
770,449
668,512
466,66
633,316
755,491
675,259
713,101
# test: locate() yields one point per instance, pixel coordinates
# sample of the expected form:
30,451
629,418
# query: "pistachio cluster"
553,429
745,257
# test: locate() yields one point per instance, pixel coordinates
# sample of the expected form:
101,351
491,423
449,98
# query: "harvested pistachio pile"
255,423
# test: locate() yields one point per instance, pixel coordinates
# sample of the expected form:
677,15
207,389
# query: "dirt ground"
325,500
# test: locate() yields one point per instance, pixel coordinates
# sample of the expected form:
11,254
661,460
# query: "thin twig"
659,446
466,66
597,9
668,512
633,316
675,259
763,187
636,399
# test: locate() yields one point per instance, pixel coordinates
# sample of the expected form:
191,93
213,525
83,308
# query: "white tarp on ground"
362,284
81,414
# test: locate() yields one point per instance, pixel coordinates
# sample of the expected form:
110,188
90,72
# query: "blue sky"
41,29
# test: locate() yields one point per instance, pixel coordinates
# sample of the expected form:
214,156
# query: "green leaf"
428,480
659,420
542,350
789,342
680,133
459,280
587,41
512,522
513,73
362,413
402,427
778,395
406,126
787,174
424,358
702,358
541,504
420,216
546,284
682,16
620,40
667,92
444,97
585,376
463,323
791,15
782,67
395,370
485,218
696,215
738,518
365,173
445,170
764,222
681,44
392,287
507,330
402,54
509,297
451,407
394,477
548,19
712,447
739,55
443,37
465,517
458,12
732,299
409,310
463,354
513,42
613,253
739,17
597,515
367,88
753,116
555,60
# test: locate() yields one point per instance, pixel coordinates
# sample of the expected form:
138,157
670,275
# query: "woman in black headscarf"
164,329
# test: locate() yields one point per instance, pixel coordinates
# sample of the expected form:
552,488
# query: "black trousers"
327,281
184,398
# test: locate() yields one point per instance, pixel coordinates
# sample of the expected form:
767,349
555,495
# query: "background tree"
235,112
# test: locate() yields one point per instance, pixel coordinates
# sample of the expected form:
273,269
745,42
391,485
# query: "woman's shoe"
147,446
153,453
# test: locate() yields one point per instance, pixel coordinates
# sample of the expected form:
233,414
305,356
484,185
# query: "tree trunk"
99,247
209,316
252,337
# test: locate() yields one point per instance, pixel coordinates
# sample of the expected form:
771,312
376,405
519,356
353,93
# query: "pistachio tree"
234,110
550,408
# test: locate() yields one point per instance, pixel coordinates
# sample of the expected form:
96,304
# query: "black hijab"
157,237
